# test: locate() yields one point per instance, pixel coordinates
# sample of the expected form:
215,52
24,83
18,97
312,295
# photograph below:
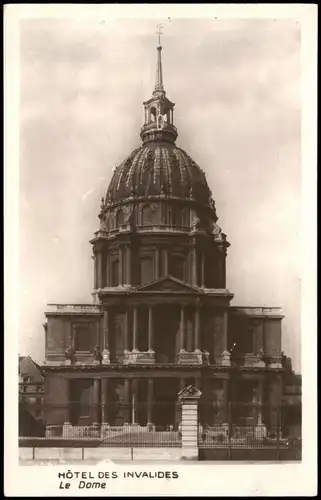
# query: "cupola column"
156,271
166,261
99,268
107,276
182,329
197,328
128,265
95,270
194,265
224,330
203,269
106,329
135,339
120,266
126,329
150,328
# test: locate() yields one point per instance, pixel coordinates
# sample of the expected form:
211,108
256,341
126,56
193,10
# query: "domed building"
161,317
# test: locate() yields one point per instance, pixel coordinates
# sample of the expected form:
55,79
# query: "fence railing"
158,424
113,424
248,425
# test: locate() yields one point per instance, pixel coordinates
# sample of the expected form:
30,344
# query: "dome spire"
159,110
159,70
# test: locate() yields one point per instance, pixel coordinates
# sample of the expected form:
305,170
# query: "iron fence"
112,425
249,426
158,424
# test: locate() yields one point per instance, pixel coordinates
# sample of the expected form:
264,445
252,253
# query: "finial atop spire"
159,71
159,33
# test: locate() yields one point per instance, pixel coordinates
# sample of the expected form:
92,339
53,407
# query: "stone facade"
161,317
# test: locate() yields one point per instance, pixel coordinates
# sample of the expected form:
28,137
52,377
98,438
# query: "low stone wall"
99,453
250,455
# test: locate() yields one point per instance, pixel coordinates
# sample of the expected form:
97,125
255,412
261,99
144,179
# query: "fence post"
278,433
189,399
229,429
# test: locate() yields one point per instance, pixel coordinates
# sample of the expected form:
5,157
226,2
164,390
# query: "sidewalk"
141,462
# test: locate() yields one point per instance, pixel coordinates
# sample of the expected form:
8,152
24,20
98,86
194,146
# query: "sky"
236,85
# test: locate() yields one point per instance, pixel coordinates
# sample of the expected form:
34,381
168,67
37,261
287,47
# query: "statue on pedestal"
98,357
70,354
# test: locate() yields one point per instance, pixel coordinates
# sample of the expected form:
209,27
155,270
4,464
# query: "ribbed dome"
159,168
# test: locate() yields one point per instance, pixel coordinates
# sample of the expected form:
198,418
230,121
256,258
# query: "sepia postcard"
160,250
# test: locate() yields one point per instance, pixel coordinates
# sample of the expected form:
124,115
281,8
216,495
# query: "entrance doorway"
165,408
167,333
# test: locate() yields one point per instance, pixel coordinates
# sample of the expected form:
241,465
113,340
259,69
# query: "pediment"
168,284
190,392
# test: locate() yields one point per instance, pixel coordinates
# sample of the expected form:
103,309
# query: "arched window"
153,114
119,218
146,270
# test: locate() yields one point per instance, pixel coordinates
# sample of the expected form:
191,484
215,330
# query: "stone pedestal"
104,429
53,431
190,358
135,427
260,432
224,428
205,358
106,357
141,358
251,359
189,399
226,358
276,362
260,364
67,430
127,356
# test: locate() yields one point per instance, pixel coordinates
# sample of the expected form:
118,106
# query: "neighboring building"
292,401
161,316
31,388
